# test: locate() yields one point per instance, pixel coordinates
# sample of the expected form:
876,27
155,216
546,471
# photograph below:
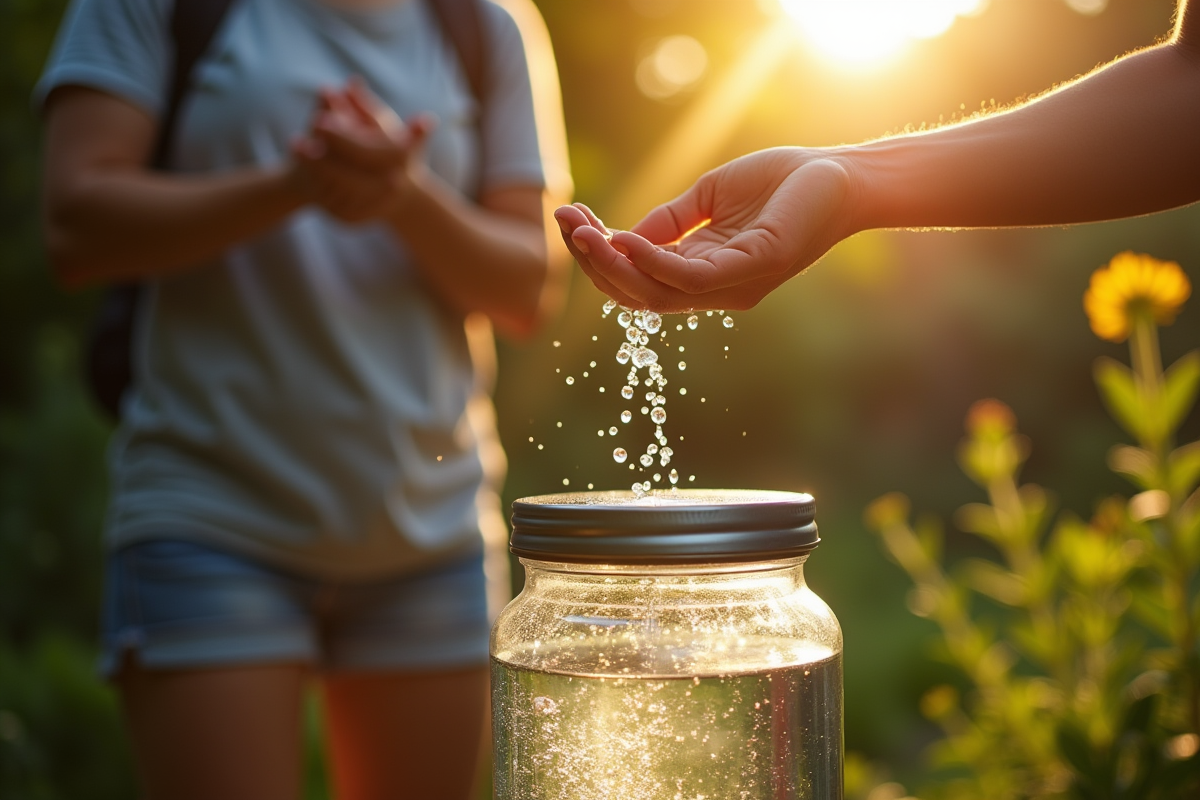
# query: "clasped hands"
358,160
738,233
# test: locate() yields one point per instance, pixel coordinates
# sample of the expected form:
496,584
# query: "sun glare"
869,31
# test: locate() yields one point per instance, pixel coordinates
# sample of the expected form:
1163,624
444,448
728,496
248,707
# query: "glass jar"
666,648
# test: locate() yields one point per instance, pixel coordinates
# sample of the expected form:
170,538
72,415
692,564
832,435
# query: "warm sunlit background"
848,382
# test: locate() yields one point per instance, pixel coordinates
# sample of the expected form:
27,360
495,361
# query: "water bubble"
643,340
592,364
570,380
625,353
673,477
664,460
681,348
682,390
662,439
708,313
727,322
638,490
557,343
649,381
600,433
639,321
626,415
544,705
682,366
657,477
655,370
678,327
693,322
627,392
652,448
612,431
624,318
691,478
585,373
668,452
646,485
631,333
645,410
619,455
659,415
649,396
721,312
644,357
653,322
566,481
646,459
609,305
660,400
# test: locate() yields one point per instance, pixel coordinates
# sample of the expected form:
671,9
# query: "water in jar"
740,734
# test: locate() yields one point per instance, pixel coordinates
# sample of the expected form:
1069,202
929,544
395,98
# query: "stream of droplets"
635,352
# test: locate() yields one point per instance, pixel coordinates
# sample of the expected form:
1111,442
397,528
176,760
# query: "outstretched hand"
742,230
360,161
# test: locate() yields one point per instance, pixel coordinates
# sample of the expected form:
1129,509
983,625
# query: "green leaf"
1139,714
1181,382
994,581
1136,463
1183,469
1077,752
1119,390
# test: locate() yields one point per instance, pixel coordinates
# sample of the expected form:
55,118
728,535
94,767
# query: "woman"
299,480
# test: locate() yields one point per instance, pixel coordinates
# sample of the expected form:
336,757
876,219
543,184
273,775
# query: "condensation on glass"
666,648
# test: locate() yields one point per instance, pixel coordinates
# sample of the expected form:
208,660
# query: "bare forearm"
474,258
1119,143
130,224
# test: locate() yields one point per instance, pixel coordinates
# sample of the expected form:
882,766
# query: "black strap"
193,25
462,22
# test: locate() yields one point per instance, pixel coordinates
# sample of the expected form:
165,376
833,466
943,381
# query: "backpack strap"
462,22
193,25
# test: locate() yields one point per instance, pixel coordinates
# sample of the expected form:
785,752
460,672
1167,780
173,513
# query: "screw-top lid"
672,527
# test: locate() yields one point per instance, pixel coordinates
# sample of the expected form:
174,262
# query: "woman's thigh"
406,735
232,733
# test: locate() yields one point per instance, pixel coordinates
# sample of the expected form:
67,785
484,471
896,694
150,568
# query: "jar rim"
677,526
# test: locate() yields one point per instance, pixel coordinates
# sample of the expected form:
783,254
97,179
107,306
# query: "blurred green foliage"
843,380
1082,677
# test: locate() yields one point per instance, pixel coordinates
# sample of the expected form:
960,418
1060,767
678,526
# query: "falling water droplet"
619,455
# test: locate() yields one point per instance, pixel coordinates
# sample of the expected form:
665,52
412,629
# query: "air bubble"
681,348
600,433
627,392
592,364
708,313
643,340
652,448
609,305
652,322
570,380
668,452
693,322
673,477
619,455
644,357
612,431
638,490
659,415
657,477
660,400
624,318
646,459
632,334
682,366
566,481
625,353
645,410
626,415
682,390
727,322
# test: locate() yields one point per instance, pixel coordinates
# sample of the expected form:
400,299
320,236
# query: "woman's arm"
491,257
1119,142
108,217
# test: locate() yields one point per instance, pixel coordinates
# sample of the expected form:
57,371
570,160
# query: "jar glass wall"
673,681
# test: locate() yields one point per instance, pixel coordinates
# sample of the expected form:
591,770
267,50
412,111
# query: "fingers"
374,151
671,221
592,219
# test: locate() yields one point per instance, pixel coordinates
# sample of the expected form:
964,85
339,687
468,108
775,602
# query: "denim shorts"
176,605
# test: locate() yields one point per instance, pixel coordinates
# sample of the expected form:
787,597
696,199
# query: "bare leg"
398,736
230,733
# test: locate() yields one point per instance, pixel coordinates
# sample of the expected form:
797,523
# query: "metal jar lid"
669,527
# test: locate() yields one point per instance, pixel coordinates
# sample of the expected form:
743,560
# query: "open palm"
739,232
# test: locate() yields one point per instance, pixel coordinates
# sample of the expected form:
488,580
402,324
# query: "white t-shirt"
303,397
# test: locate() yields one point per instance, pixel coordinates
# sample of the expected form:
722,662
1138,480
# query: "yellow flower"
1134,283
